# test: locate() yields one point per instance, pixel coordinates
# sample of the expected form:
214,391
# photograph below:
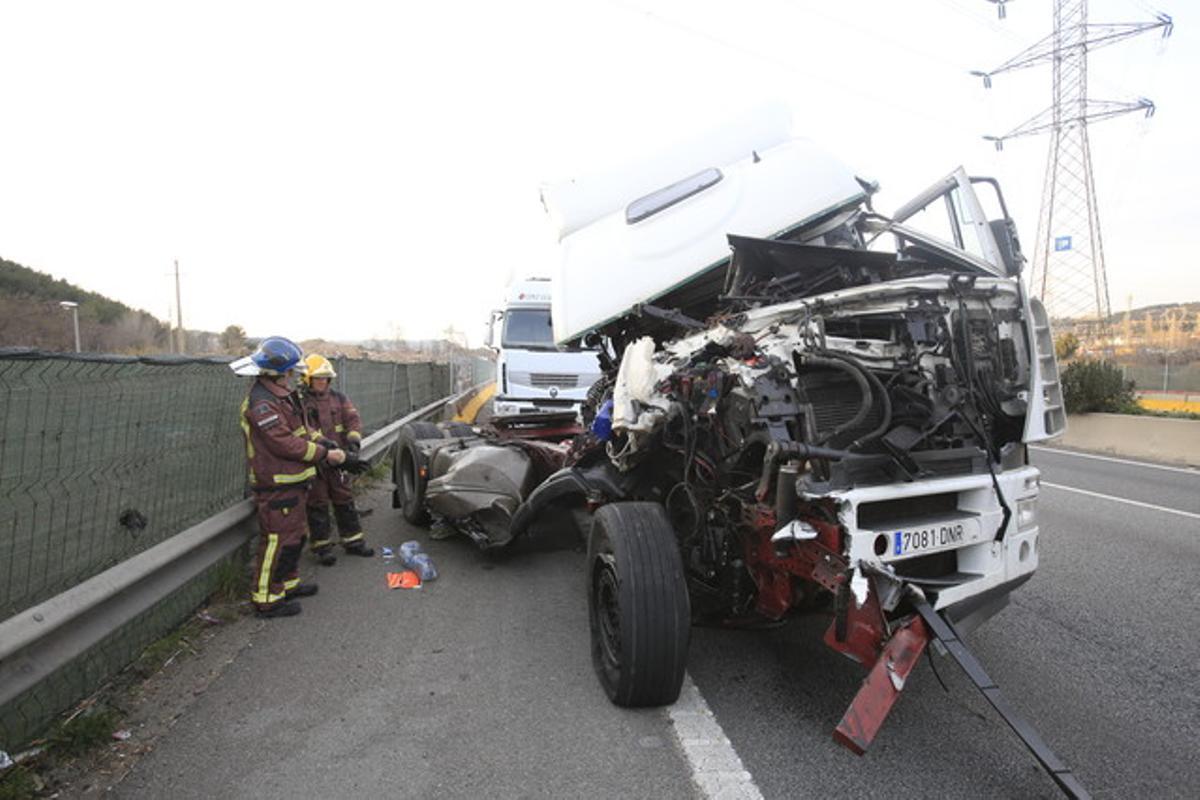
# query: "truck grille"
544,380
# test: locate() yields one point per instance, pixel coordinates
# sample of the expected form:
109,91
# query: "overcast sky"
350,170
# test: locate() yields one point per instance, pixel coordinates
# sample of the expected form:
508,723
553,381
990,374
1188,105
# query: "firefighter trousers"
282,528
332,486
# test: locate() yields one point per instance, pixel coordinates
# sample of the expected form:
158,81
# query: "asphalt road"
1099,651
480,683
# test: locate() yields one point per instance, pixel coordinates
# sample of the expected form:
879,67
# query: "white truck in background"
532,374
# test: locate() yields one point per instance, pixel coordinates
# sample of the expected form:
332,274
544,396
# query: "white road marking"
1125,500
1185,470
716,768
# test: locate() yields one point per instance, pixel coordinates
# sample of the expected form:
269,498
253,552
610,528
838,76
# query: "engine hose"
775,450
885,399
864,406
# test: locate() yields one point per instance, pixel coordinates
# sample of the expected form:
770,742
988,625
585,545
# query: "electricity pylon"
1068,258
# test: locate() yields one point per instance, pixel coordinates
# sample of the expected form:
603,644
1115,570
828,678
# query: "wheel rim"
608,613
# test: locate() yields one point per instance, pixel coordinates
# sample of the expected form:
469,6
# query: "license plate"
932,537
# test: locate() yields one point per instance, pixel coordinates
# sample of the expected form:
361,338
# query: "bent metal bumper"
887,678
881,688
889,673
987,562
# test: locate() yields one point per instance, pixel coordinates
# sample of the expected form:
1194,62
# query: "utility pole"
1068,259
179,312
74,309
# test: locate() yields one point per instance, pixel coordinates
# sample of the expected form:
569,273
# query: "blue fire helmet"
275,356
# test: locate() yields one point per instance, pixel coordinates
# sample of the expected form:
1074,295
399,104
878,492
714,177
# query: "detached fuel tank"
476,480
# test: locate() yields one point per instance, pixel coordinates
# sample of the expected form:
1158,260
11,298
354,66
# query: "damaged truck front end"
833,419
807,407
850,453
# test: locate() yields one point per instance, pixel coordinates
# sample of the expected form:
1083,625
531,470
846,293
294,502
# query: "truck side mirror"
1004,231
491,329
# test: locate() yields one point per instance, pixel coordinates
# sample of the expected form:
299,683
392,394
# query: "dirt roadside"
144,701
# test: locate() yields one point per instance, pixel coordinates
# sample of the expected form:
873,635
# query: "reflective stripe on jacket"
279,447
334,415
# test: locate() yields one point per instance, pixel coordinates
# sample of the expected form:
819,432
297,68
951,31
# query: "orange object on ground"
404,580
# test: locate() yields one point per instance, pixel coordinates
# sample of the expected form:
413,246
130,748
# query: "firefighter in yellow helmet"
332,412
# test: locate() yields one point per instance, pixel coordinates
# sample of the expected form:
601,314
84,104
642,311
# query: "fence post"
392,393
408,385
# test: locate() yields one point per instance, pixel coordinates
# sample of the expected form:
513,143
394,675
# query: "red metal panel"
882,686
773,573
865,629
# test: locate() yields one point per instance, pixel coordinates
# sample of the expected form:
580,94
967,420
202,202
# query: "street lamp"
74,307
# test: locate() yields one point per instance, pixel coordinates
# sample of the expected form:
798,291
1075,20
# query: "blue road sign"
1062,243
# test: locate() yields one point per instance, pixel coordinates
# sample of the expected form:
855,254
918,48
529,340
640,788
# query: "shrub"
1089,385
1066,346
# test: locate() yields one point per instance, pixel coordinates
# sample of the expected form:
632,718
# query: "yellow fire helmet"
318,367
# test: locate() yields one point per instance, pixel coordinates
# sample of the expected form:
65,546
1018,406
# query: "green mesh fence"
474,370
1171,377
86,443
102,457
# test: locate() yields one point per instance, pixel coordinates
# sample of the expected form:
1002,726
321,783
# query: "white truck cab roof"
630,246
532,292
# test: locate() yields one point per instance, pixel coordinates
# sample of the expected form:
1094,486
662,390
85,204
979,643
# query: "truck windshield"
528,327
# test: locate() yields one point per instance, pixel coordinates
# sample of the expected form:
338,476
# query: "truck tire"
408,471
457,430
637,605
424,430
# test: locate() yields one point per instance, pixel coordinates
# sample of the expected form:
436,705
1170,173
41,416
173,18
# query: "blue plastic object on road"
422,564
412,558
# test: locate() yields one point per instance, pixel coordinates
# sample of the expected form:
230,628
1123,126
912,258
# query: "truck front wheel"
637,604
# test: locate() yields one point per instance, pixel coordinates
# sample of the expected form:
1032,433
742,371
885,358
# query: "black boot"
360,549
303,590
321,529
286,608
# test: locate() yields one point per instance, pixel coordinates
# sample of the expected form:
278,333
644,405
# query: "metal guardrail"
41,640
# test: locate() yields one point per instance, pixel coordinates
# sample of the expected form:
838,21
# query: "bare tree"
233,340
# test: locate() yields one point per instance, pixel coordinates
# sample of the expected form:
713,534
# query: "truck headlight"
1026,514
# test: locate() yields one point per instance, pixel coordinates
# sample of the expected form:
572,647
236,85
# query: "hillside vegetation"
30,316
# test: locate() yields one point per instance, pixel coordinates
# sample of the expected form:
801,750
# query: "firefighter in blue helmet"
283,456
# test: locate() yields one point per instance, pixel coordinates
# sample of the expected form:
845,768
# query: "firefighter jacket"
334,415
281,450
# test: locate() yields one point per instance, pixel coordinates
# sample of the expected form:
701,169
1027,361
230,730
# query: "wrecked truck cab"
807,405
829,406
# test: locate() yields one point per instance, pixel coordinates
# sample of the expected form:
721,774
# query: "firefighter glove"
355,465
